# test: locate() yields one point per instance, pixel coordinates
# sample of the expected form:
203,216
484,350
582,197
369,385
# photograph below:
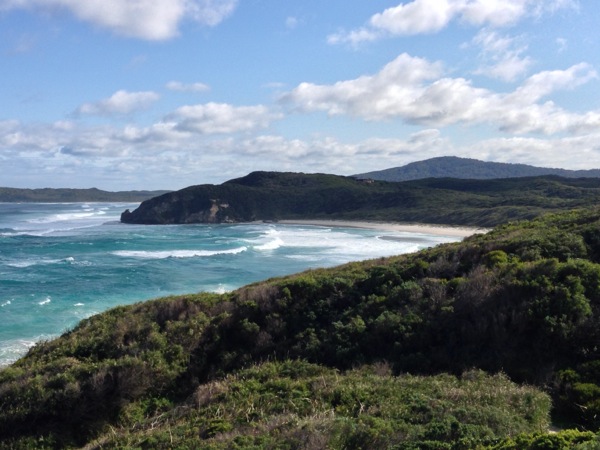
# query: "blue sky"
163,94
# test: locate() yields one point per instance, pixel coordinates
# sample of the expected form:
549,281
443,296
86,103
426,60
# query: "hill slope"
279,196
189,371
8,195
466,168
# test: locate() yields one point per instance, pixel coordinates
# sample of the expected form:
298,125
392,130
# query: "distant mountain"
276,196
466,168
8,195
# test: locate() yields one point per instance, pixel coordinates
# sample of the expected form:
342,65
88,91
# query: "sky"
164,94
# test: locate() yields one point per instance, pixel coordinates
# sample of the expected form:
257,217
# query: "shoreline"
435,230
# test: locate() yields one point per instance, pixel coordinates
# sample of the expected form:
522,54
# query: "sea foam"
163,254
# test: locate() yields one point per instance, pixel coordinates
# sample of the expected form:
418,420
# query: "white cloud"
496,13
583,151
144,19
221,118
121,102
161,156
190,87
210,12
389,93
330,155
414,90
353,37
544,83
419,16
501,56
431,16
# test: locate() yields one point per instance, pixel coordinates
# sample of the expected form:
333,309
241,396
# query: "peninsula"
275,196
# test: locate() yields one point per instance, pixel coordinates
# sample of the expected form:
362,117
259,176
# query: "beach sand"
435,230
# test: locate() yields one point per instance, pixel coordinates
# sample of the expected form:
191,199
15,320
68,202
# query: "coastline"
435,230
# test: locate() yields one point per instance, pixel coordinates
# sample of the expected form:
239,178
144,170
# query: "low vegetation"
478,344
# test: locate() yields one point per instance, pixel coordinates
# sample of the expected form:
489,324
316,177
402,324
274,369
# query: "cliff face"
174,209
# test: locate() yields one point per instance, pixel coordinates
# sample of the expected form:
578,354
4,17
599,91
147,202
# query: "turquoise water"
60,263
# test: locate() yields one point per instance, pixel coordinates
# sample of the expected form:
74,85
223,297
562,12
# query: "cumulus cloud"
431,16
544,83
189,87
220,118
121,102
416,91
389,93
144,19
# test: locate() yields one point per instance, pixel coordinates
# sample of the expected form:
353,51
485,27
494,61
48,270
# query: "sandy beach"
436,230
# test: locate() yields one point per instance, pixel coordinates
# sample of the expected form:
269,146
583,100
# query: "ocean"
63,262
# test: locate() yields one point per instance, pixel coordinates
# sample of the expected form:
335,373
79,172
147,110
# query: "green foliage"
278,196
523,300
293,403
563,440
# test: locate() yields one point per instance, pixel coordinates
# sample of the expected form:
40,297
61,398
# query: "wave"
64,217
272,245
39,262
163,254
49,231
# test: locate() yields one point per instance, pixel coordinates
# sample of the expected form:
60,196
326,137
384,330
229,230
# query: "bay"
62,262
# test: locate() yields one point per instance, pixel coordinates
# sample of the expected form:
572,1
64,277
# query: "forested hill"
73,195
454,167
419,351
279,196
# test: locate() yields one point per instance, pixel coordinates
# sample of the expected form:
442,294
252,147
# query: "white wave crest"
272,245
13,349
176,253
66,217
37,262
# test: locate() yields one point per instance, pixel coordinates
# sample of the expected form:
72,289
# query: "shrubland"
479,344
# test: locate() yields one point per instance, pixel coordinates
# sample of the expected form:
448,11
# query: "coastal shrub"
563,440
292,403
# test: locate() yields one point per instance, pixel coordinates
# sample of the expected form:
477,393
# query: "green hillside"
467,168
280,196
478,344
8,195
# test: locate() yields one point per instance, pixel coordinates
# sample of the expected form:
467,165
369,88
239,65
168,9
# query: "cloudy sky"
163,94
